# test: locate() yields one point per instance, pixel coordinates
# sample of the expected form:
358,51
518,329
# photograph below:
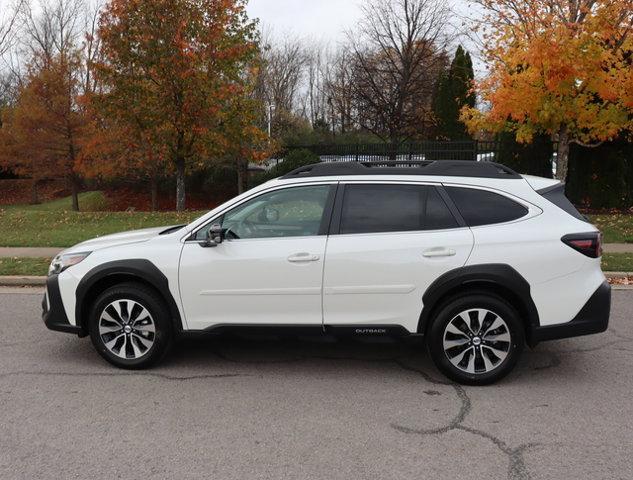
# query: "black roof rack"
454,168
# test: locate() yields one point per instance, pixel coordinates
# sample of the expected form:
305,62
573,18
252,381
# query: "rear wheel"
476,339
130,326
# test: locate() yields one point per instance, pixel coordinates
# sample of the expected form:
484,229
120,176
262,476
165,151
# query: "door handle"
303,257
439,252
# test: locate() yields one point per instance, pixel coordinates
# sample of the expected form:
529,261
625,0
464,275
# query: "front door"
269,268
389,244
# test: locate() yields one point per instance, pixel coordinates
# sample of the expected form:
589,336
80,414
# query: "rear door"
388,243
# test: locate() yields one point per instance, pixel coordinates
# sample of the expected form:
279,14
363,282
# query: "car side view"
471,257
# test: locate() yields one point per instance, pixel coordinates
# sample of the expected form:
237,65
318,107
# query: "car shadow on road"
259,349
253,351
257,354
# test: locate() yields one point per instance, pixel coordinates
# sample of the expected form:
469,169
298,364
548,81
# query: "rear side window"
394,208
556,195
481,207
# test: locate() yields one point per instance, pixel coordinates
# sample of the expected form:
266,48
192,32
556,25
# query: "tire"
464,346
130,326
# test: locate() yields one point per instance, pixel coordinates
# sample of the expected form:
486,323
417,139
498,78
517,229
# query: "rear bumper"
53,313
592,318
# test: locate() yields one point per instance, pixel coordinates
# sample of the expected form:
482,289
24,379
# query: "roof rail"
454,168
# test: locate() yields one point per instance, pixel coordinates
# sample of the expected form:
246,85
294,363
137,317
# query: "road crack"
517,470
163,376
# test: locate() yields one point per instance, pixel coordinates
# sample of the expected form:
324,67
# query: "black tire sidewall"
449,310
157,309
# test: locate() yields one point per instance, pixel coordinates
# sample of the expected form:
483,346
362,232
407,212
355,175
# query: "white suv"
471,256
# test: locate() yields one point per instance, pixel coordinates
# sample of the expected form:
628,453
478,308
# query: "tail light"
589,244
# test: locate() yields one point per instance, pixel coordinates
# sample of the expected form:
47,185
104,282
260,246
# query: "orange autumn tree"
18,154
173,65
43,132
114,152
241,139
559,67
122,145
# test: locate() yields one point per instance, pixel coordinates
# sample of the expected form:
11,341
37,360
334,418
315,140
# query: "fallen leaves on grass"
621,280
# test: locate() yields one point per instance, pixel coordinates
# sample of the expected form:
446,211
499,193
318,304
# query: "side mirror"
215,236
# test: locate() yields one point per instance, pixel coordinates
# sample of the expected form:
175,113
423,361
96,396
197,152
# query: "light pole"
331,104
270,119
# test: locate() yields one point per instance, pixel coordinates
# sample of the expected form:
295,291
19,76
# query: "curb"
31,281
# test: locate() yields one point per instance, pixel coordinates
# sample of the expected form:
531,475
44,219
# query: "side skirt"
335,331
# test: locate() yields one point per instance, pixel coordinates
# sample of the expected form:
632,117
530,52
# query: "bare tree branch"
280,77
397,54
9,17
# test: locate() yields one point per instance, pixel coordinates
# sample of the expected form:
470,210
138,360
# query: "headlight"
63,261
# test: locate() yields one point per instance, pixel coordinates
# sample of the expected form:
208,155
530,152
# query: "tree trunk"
562,155
242,176
74,189
393,149
34,197
180,184
154,192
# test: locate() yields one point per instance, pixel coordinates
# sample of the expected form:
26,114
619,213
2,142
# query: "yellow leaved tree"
561,67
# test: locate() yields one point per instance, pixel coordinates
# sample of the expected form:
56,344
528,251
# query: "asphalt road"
243,409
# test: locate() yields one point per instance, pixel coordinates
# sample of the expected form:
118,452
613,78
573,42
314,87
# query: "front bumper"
53,312
592,318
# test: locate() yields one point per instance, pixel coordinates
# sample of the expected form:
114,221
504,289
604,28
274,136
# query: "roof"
454,168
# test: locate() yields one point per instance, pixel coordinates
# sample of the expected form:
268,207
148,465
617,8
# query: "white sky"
327,21
324,20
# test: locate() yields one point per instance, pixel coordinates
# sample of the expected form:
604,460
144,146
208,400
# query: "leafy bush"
601,177
534,158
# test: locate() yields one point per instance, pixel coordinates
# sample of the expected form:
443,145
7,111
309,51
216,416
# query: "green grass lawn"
616,227
54,224
27,228
24,266
88,202
617,262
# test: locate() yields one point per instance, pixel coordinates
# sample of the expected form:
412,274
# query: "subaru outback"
470,257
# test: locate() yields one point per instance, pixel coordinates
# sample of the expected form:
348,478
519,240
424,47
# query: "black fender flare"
496,276
141,269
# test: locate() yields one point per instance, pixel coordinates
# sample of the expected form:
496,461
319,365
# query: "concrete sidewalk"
51,252
38,252
618,248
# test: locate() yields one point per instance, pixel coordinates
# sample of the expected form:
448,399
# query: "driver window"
291,212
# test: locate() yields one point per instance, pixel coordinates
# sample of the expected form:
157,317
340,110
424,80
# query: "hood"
116,239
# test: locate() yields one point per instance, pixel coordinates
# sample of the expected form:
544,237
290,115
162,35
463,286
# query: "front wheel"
476,339
130,327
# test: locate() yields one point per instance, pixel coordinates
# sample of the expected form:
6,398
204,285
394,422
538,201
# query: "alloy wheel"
127,329
477,341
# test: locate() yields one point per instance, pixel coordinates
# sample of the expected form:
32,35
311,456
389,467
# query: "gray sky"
327,20
319,19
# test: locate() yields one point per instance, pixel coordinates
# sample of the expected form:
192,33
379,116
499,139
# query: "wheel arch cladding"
500,279
112,273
